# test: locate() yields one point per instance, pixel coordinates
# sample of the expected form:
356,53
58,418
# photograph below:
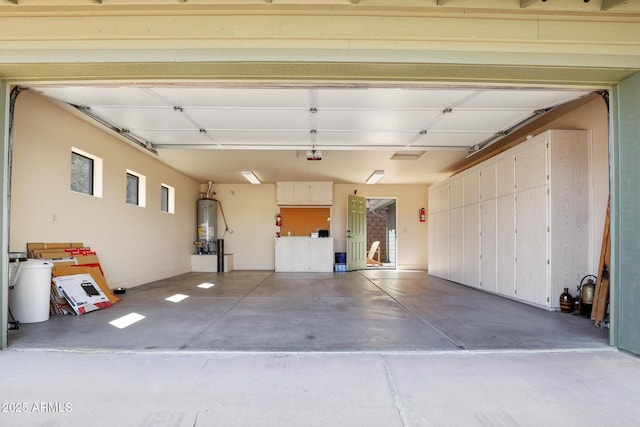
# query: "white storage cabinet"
304,193
532,225
304,254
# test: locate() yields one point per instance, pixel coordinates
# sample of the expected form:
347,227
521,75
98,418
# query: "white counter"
304,254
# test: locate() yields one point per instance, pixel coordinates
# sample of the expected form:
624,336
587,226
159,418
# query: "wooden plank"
601,294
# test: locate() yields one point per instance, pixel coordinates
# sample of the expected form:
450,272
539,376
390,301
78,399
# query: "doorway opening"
381,228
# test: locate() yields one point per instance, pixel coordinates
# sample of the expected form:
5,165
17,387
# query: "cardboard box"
59,305
36,246
48,254
51,250
89,260
79,251
81,292
95,273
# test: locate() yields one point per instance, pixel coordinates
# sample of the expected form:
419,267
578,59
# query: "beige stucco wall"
135,245
250,212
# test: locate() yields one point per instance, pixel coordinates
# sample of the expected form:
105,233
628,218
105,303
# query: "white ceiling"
212,133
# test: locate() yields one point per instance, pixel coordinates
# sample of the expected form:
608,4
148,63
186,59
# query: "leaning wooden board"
601,294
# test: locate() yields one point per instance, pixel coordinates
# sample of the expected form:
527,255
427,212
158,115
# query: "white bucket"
29,299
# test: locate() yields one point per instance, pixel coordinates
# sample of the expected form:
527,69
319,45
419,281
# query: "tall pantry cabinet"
532,216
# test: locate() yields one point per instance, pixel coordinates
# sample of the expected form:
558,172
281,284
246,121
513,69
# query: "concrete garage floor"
358,311
376,348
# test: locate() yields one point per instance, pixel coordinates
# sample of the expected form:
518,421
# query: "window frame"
171,199
141,192
96,172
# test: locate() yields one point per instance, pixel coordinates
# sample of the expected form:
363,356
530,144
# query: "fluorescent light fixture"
251,177
206,285
375,177
124,321
177,297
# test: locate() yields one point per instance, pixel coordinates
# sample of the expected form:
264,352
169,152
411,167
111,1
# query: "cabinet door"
505,175
301,193
284,254
471,187
488,182
531,246
531,166
321,193
300,257
456,245
472,245
505,252
439,244
569,212
488,247
439,199
321,254
456,193
284,193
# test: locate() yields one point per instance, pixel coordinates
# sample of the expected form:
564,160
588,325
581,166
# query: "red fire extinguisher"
422,215
278,220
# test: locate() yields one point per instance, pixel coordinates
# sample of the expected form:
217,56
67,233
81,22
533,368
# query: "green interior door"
357,233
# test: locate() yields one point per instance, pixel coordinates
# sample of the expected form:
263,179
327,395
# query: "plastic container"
341,257
29,299
16,259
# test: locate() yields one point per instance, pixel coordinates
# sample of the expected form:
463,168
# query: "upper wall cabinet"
471,187
505,174
531,165
439,199
456,193
304,193
488,182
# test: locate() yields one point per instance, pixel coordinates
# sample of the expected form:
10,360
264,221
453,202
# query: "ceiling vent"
408,155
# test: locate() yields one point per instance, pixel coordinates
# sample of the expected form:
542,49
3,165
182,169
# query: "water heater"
207,226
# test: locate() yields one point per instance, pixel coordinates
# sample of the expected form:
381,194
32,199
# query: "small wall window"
86,173
136,189
167,198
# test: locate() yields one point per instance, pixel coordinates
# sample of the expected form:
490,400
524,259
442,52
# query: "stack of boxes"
78,283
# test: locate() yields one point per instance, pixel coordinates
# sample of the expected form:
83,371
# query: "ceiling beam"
519,135
527,3
608,4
